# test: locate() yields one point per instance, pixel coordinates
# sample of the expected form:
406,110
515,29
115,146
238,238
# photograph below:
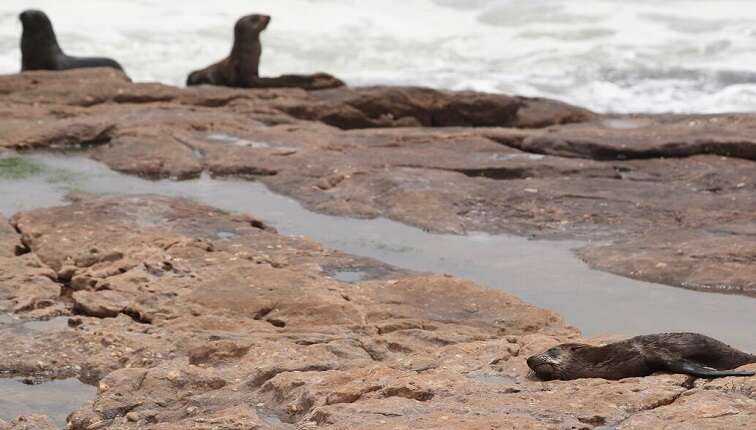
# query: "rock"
180,329
538,112
235,341
103,304
644,136
718,259
700,410
27,284
373,107
10,241
650,185
157,161
32,422
216,352
597,177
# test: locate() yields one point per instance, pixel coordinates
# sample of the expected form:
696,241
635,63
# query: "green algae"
18,168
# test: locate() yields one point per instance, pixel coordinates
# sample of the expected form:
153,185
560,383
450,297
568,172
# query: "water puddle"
271,418
625,123
55,324
544,273
528,157
56,399
486,377
237,141
7,322
350,276
225,235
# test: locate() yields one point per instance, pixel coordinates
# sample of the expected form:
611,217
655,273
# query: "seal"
40,49
241,67
688,353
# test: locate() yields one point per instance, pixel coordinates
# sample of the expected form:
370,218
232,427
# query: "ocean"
608,55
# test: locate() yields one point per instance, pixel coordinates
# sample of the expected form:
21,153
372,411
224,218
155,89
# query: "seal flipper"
67,62
696,369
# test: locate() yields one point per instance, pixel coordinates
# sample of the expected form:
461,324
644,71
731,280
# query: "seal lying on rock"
317,81
40,49
242,65
688,353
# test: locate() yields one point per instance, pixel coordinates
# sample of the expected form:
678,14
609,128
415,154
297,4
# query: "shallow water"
7,322
350,276
544,273
609,55
56,399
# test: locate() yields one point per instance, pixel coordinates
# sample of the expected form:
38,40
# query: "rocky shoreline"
672,194
180,327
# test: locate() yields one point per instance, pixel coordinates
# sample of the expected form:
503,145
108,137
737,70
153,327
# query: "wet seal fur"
40,49
686,353
242,65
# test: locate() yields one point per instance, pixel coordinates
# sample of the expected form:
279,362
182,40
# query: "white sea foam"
610,55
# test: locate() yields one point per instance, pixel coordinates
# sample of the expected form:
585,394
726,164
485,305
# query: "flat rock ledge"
669,198
185,316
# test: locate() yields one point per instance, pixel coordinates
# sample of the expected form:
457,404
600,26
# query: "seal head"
559,362
249,27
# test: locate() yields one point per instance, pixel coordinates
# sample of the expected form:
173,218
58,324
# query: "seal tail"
701,371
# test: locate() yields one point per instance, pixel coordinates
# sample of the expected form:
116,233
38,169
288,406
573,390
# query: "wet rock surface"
184,316
31,422
671,197
180,329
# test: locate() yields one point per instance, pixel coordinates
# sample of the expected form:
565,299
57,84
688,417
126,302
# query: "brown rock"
650,184
237,342
10,241
102,304
27,285
699,410
32,422
639,137
720,259
157,157
411,106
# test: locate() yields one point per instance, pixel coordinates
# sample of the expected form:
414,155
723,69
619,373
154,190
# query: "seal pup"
40,49
687,353
241,67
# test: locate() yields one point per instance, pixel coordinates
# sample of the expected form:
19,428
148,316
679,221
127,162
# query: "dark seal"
40,49
241,67
687,353
316,81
